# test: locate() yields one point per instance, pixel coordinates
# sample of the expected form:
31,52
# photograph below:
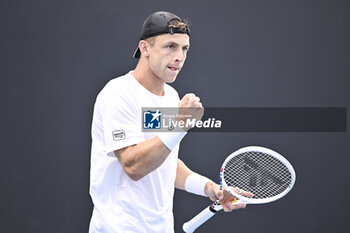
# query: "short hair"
174,23
178,24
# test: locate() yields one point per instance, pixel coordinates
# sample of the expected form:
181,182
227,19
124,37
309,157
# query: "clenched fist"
190,108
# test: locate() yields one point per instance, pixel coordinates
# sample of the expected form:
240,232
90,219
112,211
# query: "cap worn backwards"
157,24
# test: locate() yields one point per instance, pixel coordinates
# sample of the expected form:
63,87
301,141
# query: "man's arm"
141,159
211,189
182,172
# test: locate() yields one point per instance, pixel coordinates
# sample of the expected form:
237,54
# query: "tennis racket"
258,170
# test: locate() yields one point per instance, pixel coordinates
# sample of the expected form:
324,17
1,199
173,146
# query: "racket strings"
258,173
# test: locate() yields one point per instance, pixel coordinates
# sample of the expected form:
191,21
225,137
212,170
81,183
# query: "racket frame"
248,200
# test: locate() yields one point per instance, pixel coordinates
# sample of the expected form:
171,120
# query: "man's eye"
171,46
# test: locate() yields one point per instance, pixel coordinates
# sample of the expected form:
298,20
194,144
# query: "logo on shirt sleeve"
118,135
152,119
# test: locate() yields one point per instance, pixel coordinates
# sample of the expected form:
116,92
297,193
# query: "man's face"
168,55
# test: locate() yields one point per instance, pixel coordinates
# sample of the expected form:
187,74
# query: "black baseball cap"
157,24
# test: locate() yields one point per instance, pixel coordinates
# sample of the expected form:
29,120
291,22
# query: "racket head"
259,170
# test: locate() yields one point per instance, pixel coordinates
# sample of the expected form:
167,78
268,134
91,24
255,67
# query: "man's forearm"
143,158
182,172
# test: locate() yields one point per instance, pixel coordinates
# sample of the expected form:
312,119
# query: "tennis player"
134,173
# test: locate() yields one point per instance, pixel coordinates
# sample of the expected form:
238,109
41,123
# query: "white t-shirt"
121,204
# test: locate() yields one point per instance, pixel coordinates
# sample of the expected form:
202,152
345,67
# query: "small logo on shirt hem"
118,135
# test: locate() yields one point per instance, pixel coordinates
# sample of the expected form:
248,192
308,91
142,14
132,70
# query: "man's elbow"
133,173
131,168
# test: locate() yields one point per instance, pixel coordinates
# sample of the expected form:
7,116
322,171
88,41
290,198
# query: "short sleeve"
121,124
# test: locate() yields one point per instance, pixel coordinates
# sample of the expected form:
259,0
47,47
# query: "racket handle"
198,220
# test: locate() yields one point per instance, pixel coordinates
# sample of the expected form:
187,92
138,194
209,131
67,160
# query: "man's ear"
144,47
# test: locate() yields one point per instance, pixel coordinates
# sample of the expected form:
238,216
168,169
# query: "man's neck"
148,79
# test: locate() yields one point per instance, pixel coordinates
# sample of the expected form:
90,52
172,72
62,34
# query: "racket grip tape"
198,220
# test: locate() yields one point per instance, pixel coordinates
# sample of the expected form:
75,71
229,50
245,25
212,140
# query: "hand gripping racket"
261,171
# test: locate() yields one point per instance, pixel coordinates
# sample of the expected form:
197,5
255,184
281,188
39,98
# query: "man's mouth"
173,68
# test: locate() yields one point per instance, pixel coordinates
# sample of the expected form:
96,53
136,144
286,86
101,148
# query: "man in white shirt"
134,173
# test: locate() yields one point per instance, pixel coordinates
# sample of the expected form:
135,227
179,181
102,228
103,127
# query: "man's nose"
180,55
